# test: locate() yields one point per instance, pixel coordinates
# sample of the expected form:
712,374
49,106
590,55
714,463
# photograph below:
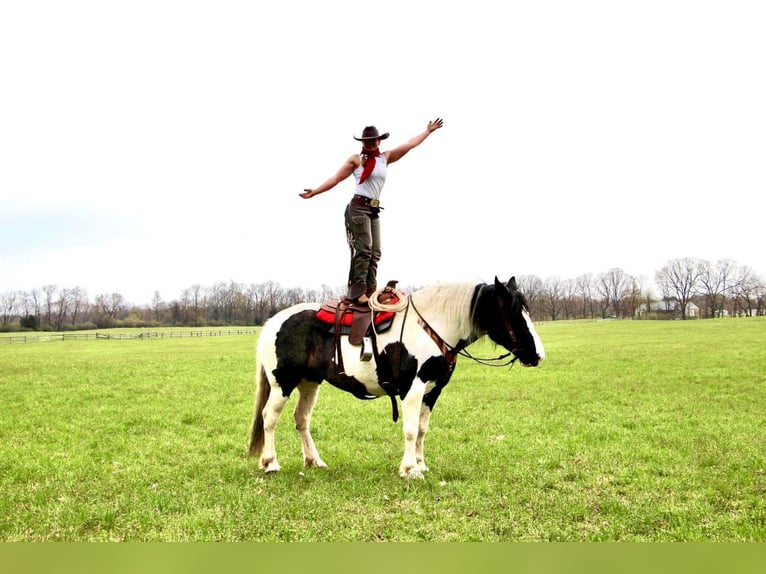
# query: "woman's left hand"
435,125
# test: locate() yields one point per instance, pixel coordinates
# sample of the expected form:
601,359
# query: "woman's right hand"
307,193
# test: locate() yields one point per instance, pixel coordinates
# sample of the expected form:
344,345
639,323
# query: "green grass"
634,431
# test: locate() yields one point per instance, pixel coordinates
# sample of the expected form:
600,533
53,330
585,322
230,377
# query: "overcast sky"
154,145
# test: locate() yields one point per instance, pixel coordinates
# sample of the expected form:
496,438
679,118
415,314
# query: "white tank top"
373,185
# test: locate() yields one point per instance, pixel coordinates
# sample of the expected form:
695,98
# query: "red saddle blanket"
326,314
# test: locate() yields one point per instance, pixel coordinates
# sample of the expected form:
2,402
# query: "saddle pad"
328,317
326,314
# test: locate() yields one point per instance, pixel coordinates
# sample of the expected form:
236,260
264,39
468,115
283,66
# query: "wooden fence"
122,336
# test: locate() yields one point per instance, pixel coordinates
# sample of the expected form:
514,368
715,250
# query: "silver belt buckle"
374,202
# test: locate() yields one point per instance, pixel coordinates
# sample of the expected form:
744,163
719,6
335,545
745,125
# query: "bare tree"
532,287
26,304
158,306
232,295
243,309
312,295
760,296
272,295
746,291
36,301
251,305
49,292
679,280
182,308
79,302
8,303
715,282
585,289
327,292
552,297
197,300
61,306
613,286
570,298
601,301
260,295
218,301
110,304
632,299
292,296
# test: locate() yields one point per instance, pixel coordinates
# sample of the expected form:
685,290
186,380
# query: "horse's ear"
499,287
512,284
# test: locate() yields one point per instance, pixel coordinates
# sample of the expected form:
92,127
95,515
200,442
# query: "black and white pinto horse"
413,360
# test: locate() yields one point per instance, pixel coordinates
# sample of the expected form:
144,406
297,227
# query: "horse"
413,361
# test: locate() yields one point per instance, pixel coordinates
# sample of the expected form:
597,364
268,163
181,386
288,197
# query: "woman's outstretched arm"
398,152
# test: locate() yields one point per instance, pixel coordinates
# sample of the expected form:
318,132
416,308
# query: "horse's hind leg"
271,413
308,393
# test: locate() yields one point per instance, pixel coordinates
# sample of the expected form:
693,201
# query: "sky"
154,145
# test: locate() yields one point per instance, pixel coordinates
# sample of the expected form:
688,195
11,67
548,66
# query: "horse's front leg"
425,418
308,393
411,415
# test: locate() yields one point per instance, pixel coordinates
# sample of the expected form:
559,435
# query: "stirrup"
365,354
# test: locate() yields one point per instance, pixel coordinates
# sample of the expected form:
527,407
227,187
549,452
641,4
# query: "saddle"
354,320
344,317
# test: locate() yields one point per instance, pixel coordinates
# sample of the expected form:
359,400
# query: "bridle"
508,326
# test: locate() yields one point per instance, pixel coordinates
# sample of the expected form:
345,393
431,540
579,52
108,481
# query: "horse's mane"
449,300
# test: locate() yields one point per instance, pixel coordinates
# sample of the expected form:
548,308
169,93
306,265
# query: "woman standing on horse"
362,213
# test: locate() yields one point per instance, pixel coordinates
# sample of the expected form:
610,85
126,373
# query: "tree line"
684,288
52,308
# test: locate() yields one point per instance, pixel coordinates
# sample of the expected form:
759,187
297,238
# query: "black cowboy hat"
371,133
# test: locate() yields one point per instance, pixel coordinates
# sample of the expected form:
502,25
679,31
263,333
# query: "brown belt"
362,201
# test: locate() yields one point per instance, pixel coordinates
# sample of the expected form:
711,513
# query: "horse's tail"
262,392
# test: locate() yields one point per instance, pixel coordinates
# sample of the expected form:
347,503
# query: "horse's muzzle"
527,358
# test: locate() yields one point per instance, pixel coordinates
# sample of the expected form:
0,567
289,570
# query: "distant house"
670,307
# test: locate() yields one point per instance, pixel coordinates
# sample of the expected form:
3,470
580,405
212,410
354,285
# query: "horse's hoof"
314,463
270,467
412,473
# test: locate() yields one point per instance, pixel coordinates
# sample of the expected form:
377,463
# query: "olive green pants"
363,233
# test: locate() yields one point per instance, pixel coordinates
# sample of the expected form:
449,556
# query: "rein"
489,362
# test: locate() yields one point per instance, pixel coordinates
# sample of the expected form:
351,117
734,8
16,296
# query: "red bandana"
369,165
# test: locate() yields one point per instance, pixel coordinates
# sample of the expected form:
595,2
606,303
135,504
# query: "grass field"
633,431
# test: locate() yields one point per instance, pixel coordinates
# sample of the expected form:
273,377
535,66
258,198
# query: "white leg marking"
411,408
308,393
271,413
425,417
